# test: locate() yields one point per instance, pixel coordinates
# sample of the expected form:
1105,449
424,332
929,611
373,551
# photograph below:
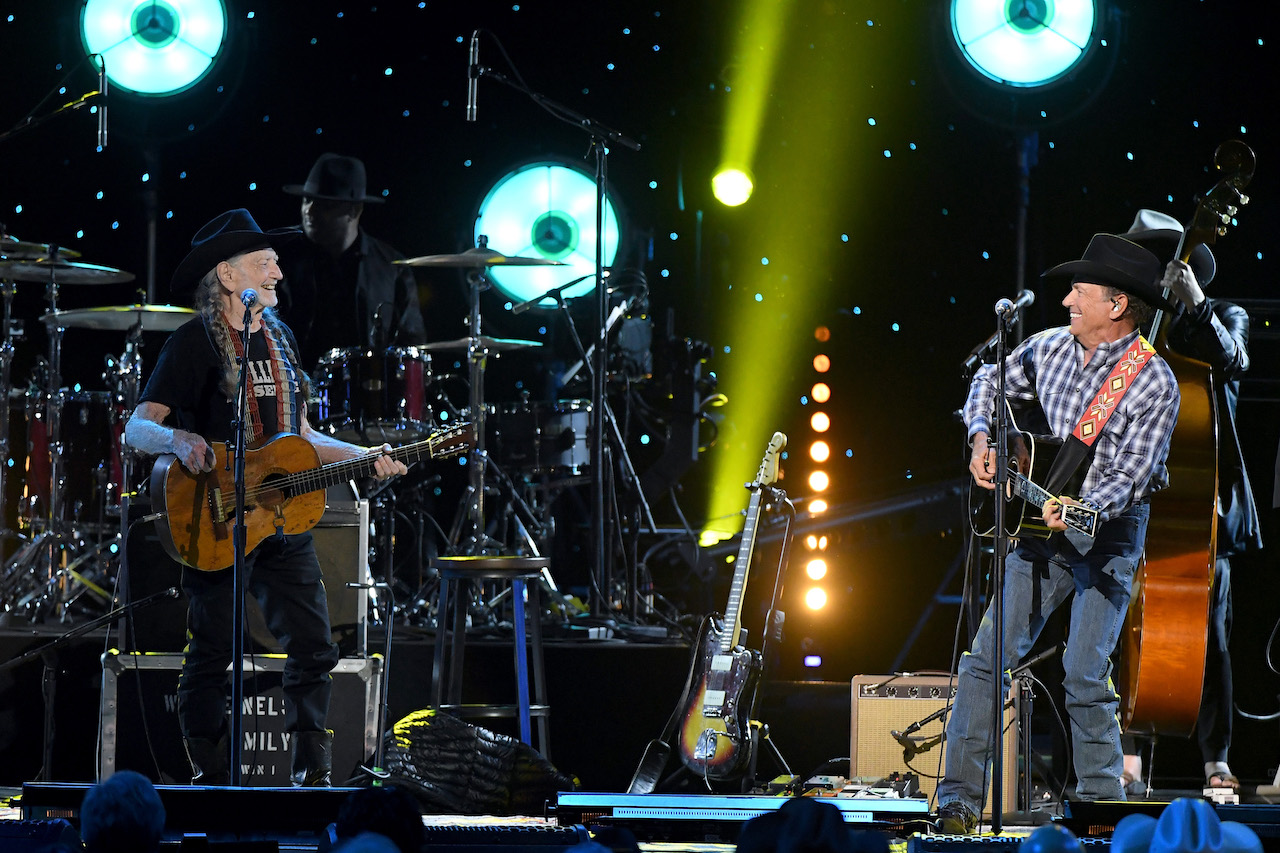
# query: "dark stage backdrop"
931,227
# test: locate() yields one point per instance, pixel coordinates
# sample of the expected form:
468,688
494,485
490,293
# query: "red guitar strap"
1096,414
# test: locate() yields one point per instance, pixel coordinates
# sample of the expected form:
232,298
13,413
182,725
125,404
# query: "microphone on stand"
1007,306
522,307
102,104
473,75
249,297
908,746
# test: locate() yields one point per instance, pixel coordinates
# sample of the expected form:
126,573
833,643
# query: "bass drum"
374,396
540,439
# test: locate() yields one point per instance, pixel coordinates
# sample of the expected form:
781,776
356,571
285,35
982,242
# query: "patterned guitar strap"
1097,414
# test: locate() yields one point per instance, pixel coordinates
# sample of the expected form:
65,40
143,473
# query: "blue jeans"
1039,576
285,578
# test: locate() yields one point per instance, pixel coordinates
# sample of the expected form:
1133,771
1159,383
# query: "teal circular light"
154,47
545,210
1023,43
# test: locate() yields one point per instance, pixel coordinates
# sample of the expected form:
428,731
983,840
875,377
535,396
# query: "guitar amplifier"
883,704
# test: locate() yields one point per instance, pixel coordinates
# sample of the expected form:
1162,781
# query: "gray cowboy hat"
1117,262
225,236
1161,233
336,178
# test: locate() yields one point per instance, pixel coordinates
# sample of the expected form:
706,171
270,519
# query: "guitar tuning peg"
1244,199
1222,230
1225,218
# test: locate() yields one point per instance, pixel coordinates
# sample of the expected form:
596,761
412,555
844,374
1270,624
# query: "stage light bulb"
816,569
820,392
816,598
819,451
818,481
821,363
820,422
811,542
732,187
822,333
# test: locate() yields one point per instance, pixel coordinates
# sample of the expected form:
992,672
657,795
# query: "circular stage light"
546,210
154,47
1023,43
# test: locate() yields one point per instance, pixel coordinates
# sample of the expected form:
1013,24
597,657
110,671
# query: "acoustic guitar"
284,493
1166,635
1030,459
715,738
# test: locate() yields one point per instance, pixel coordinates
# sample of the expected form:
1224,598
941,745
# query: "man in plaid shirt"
1114,287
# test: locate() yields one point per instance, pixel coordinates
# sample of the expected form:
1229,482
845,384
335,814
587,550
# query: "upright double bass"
1166,635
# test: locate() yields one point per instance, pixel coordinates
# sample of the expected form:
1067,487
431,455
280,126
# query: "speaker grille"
884,703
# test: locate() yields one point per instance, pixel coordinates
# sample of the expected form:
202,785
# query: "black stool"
525,575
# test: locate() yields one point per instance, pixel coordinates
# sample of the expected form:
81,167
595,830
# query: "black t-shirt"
188,377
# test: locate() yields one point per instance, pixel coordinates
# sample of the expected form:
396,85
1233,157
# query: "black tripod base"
1024,818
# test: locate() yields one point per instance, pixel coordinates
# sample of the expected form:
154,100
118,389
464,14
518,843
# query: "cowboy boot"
312,759
209,760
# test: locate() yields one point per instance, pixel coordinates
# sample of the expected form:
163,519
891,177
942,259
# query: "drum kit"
74,482
72,477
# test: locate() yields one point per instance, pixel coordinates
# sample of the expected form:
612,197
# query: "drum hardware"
478,347
374,396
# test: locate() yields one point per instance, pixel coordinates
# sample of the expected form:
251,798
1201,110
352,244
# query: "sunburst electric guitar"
284,492
715,737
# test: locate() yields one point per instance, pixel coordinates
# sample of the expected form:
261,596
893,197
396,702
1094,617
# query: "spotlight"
546,210
154,47
821,363
817,506
819,451
731,187
816,598
1024,44
820,392
816,569
820,422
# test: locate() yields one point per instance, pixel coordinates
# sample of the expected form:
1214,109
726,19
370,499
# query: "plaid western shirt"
1129,455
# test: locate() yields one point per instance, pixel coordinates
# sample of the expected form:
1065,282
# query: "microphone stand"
1000,546
601,137
606,417
238,538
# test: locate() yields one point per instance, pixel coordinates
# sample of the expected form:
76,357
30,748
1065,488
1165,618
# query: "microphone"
249,297
908,746
102,103
473,75
522,307
1007,306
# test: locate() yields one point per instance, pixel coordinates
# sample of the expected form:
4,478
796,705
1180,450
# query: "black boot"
312,759
210,763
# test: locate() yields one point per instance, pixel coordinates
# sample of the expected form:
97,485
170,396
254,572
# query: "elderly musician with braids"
187,406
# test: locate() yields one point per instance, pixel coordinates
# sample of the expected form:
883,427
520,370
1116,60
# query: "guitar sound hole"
272,491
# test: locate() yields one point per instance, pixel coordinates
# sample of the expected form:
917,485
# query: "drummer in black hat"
341,286
188,408
1101,386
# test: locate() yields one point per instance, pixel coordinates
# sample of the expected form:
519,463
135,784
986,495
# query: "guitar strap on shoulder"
1097,414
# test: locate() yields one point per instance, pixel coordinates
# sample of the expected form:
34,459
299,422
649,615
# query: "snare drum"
541,439
374,396
90,463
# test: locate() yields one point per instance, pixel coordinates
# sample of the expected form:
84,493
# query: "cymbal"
483,342
63,272
121,318
14,249
476,258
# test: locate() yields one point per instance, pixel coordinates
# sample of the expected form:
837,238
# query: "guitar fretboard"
732,620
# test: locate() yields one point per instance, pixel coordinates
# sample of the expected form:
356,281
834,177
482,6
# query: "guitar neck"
362,466
733,611
1028,491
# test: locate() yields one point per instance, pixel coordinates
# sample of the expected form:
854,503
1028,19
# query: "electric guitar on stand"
715,739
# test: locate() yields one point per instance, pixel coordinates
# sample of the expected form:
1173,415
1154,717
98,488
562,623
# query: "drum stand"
472,510
38,565
7,288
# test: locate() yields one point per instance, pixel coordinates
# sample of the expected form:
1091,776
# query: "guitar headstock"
1235,162
453,441
768,473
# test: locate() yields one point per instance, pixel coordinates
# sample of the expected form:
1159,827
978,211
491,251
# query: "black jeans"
285,578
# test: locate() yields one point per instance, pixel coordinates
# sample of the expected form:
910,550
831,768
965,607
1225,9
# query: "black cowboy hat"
336,178
1119,263
1161,233
225,236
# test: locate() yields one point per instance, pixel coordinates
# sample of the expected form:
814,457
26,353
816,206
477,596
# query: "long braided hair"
208,303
